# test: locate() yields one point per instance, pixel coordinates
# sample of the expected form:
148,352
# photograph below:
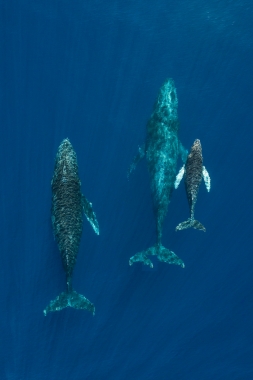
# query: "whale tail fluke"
190,223
70,299
163,254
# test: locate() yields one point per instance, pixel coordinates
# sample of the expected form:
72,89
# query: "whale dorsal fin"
179,177
207,178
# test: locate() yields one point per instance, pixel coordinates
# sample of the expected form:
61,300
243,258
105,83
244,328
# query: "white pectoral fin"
207,178
179,177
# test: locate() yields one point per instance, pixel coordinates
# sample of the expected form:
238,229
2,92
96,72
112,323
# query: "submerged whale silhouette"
161,150
68,206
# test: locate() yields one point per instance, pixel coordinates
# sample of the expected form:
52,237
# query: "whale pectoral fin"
183,152
90,214
70,299
169,257
136,160
207,178
179,177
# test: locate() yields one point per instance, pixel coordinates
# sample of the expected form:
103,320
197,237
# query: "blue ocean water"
90,70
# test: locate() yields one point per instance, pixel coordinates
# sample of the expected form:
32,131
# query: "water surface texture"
90,71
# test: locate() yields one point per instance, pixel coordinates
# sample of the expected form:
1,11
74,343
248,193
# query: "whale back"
193,172
67,209
162,147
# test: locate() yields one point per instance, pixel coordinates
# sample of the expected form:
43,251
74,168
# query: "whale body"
161,149
68,206
193,172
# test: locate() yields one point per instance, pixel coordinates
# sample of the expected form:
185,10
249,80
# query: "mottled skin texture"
67,208
68,205
193,174
161,149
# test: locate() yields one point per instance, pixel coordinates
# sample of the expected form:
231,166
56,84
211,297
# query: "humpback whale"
193,172
161,150
68,206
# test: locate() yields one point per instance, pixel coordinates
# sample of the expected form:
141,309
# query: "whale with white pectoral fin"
161,150
68,207
193,171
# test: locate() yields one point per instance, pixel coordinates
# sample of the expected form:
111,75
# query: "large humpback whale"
68,206
161,149
193,172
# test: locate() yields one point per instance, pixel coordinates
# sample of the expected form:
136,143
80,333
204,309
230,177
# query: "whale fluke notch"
163,254
190,223
70,299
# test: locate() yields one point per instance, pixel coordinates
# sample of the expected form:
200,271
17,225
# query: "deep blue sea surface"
90,70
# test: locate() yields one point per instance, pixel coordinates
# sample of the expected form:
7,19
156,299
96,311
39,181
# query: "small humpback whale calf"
161,150
68,206
193,172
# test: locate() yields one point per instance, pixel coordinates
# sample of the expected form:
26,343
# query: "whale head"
66,158
196,147
65,145
65,149
169,93
166,105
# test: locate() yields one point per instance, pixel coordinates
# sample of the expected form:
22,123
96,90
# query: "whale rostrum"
193,172
161,149
68,207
